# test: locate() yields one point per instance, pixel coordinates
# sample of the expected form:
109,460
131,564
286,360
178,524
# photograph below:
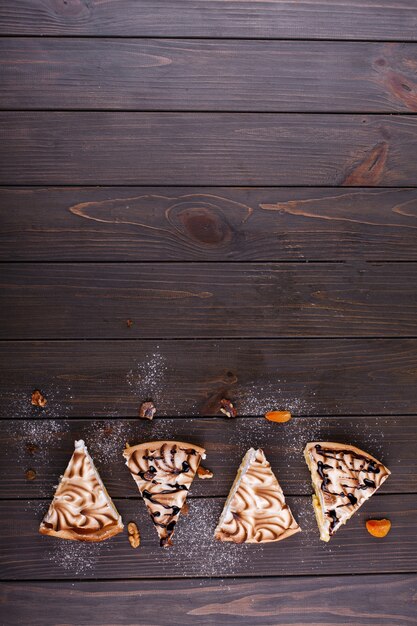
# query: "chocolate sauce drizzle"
169,519
326,480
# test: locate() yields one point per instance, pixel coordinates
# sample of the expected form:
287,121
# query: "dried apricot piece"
378,527
278,416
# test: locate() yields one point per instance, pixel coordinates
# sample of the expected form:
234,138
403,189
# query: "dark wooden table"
207,198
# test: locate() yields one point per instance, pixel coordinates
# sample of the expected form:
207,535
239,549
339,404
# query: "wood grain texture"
289,19
28,555
306,376
208,75
28,445
206,224
381,601
207,149
84,301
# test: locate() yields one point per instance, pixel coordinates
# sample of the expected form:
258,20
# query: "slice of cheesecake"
81,508
343,477
163,472
255,510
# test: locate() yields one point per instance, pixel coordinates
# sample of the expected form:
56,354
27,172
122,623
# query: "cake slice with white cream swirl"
255,510
343,477
163,472
81,509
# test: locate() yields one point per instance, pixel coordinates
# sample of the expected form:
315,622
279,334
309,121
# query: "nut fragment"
38,399
134,536
147,410
227,408
129,323
378,527
134,541
31,448
278,416
30,474
203,472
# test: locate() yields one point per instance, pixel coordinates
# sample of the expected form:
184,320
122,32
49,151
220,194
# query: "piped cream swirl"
255,511
81,506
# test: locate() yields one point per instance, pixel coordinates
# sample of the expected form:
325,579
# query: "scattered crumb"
30,474
32,448
129,323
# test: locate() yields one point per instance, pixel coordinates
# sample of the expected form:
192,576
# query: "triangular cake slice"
163,472
81,509
255,510
343,477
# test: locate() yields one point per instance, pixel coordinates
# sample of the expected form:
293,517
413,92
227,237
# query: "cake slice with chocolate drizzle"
163,472
81,509
343,477
255,510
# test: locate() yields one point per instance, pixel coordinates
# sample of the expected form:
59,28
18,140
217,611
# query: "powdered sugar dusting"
195,546
106,440
58,403
75,557
146,380
43,434
257,399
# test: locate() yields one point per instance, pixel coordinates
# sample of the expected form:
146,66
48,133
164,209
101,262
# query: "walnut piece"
147,410
38,399
134,536
227,408
203,472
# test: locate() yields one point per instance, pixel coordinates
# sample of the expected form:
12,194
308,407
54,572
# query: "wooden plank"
45,447
153,223
289,19
195,300
28,555
379,601
202,224
207,149
188,377
207,75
